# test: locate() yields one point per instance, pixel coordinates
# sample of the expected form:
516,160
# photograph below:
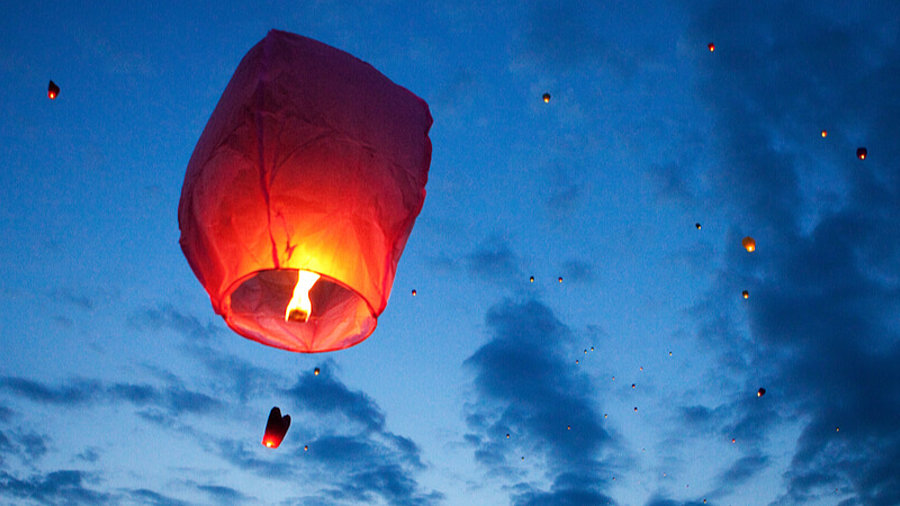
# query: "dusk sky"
632,382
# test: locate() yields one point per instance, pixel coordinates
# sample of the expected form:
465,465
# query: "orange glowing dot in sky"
316,371
560,279
632,385
52,90
711,46
546,98
635,409
749,244
698,226
824,133
861,153
306,448
746,294
413,293
732,440
568,427
531,279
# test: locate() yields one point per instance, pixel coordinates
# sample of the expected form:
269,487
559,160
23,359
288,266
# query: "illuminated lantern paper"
749,244
861,153
746,294
824,133
276,428
546,98
52,91
711,46
302,192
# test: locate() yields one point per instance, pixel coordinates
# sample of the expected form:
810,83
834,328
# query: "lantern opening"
300,307
261,306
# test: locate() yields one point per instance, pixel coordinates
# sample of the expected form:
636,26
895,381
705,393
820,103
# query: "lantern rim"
225,310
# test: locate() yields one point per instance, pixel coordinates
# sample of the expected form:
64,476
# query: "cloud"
350,453
174,398
145,496
58,487
821,325
526,388
493,260
223,495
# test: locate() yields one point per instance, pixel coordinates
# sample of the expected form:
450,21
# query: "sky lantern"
824,133
414,293
52,91
761,392
746,294
711,47
749,244
546,98
276,428
531,279
698,226
861,153
302,192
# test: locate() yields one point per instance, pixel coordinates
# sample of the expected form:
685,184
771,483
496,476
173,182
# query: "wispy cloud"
527,389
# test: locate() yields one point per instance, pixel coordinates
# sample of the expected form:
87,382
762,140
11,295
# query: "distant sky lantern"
711,47
861,153
276,428
302,192
414,293
560,279
761,392
824,133
749,244
546,98
52,90
746,294
531,279
316,371
698,226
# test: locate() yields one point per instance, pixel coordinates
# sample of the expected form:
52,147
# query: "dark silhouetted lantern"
746,294
711,46
560,279
749,244
316,371
861,153
276,428
507,436
761,392
306,448
632,386
414,293
302,192
698,226
531,279
546,98
52,90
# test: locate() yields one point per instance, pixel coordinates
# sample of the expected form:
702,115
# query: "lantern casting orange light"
52,91
749,244
301,194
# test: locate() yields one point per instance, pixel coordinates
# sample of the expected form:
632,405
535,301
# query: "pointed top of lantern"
861,153
749,244
52,91
311,170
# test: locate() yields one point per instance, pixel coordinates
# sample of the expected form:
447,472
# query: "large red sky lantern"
302,192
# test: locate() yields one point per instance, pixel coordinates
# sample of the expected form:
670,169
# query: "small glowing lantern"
414,293
761,392
546,98
824,133
711,46
316,371
302,192
698,226
560,279
52,91
749,244
276,428
746,294
507,436
861,153
531,279
306,448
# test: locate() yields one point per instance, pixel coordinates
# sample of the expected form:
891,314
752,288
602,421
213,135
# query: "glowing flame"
269,443
300,307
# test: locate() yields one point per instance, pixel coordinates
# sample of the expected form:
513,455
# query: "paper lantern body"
312,160
276,428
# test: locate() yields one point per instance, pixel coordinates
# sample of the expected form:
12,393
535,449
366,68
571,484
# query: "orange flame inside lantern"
300,307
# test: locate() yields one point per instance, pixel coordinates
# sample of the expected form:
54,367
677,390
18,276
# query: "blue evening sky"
119,384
